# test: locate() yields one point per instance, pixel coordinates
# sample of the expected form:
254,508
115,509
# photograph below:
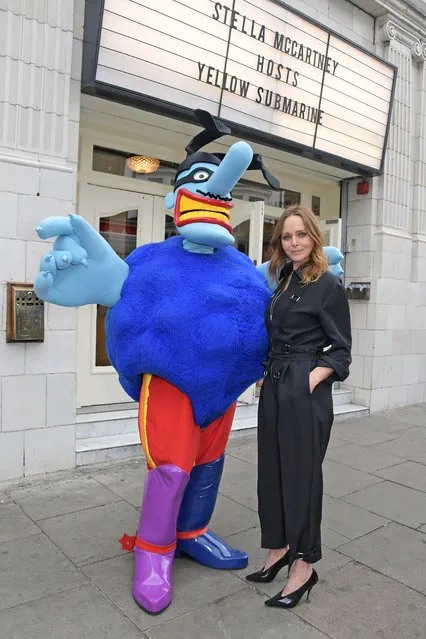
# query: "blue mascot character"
186,334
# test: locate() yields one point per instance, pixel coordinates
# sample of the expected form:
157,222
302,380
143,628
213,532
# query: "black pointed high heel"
291,600
265,576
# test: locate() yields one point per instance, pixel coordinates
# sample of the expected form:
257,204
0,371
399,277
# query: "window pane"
120,232
170,228
241,233
269,225
108,161
291,198
316,205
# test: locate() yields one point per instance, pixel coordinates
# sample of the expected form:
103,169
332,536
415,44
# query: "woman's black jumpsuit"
294,425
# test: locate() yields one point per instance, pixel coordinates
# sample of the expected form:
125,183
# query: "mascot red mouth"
190,208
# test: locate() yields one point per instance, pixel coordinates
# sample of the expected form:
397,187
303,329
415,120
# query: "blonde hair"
316,264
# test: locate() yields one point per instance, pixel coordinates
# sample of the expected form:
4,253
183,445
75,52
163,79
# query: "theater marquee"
281,78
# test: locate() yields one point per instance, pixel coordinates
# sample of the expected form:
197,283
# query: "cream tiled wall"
40,60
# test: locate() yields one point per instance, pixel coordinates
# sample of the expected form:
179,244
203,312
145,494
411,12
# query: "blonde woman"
309,332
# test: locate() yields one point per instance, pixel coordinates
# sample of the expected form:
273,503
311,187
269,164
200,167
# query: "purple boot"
156,537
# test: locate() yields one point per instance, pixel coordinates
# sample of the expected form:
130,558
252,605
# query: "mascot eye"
201,176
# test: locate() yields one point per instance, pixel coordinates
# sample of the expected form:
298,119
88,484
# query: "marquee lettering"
277,70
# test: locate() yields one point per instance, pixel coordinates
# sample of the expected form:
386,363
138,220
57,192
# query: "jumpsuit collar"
287,268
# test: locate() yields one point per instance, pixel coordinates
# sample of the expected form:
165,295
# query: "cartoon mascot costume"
185,332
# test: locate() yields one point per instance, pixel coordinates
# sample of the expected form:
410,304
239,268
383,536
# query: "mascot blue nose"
230,170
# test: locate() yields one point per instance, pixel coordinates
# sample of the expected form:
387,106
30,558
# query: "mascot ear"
169,200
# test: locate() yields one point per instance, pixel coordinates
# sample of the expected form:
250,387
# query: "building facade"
65,147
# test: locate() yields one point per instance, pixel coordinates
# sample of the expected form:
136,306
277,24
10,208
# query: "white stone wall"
40,61
387,240
341,16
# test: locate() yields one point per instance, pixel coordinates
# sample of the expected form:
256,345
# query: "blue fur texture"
195,320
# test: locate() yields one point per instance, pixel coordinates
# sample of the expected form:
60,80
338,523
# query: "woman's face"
296,242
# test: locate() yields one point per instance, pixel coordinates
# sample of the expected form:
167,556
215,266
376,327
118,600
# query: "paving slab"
229,517
331,538
93,534
245,450
417,432
125,480
239,482
394,550
355,602
335,442
363,434
409,474
14,524
348,520
76,614
408,415
363,458
399,503
240,616
407,447
395,421
52,499
33,568
341,480
193,586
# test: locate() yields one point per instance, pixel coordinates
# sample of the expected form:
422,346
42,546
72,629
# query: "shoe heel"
309,592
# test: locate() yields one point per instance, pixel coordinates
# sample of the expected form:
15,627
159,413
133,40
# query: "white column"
40,60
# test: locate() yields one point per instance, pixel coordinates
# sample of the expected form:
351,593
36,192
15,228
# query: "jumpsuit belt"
285,355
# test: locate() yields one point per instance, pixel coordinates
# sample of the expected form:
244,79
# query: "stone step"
345,411
99,447
341,396
101,423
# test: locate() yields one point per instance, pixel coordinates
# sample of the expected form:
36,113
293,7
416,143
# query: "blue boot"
193,536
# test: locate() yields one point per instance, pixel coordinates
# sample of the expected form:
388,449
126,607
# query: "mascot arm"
333,255
82,268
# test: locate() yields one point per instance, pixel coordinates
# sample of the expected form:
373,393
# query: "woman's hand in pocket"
318,375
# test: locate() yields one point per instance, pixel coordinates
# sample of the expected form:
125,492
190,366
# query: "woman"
309,332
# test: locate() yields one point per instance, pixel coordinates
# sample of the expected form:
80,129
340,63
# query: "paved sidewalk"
63,575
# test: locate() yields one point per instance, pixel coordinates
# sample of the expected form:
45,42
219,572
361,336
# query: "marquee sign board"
283,79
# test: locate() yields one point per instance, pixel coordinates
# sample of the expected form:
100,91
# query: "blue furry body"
194,320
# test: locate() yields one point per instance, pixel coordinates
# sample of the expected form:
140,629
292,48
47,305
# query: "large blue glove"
82,268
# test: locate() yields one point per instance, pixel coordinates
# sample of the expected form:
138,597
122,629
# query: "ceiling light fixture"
143,164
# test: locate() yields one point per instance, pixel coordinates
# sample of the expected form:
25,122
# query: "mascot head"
202,195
